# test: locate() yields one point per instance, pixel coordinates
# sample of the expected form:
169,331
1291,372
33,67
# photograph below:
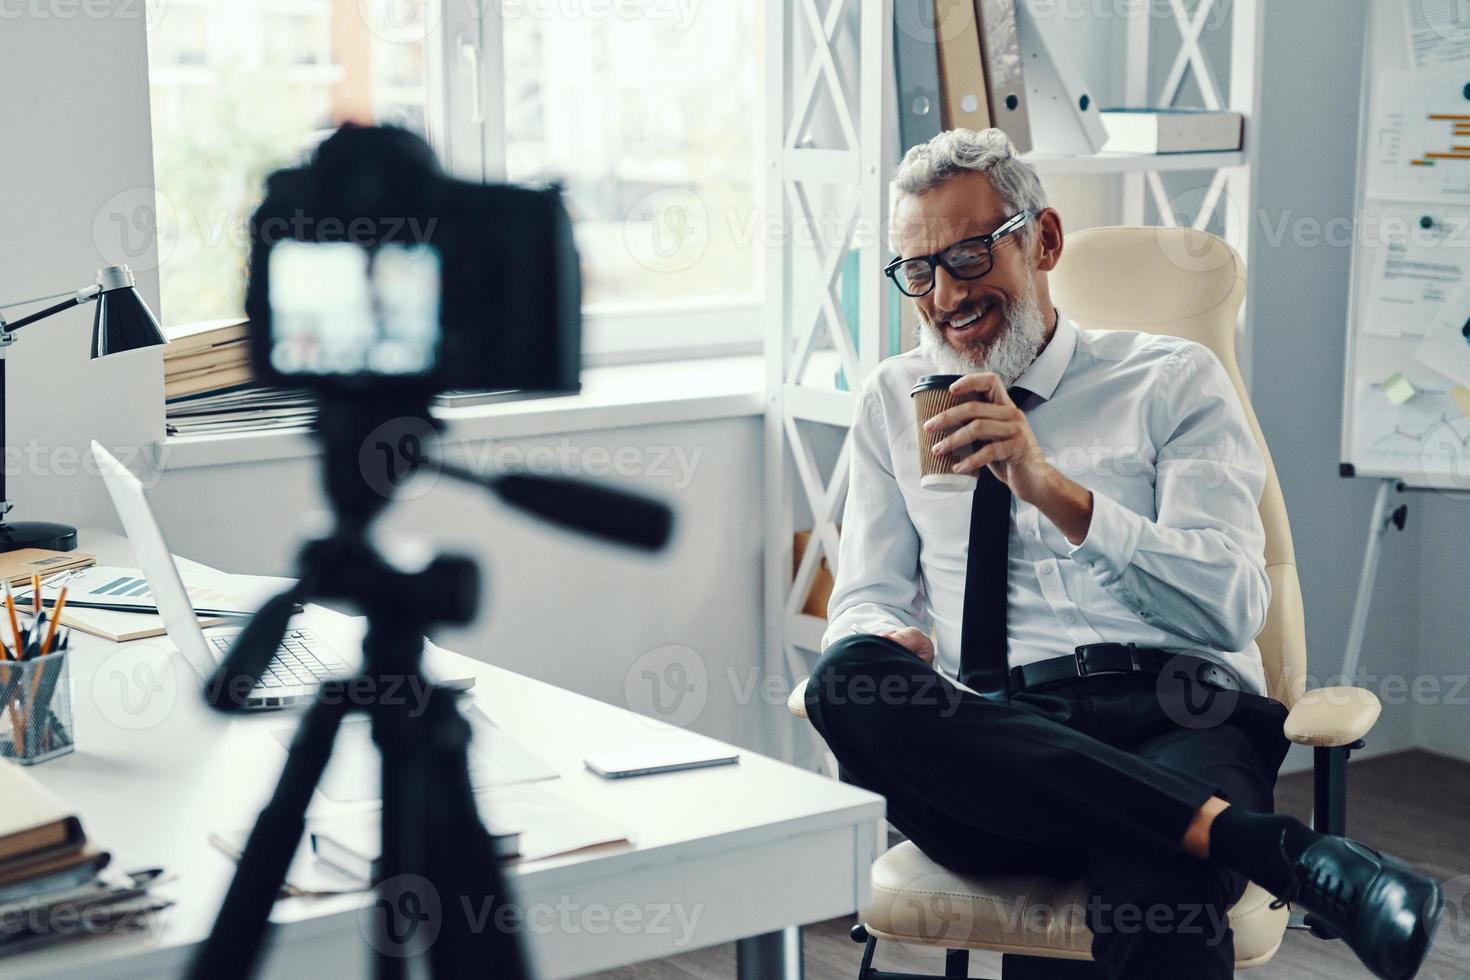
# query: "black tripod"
441,898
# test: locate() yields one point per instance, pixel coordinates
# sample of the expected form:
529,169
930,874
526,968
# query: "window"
647,112
240,88
650,114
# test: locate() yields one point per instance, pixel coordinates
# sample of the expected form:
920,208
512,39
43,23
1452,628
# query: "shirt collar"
1045,373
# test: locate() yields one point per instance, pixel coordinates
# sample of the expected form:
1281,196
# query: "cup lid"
931,381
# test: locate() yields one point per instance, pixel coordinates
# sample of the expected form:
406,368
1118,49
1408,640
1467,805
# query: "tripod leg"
239,929
484,927
411,907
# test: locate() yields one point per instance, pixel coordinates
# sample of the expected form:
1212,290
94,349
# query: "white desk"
720,854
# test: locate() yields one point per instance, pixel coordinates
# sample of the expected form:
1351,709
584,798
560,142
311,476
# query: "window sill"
612,397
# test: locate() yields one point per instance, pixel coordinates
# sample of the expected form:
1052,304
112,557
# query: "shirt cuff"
1111,540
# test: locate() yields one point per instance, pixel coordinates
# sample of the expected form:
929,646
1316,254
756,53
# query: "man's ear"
1048,239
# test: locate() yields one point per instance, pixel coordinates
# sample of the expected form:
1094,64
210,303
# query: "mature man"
1122,481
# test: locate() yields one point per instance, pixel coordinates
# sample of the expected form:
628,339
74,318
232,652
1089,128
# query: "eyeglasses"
968,258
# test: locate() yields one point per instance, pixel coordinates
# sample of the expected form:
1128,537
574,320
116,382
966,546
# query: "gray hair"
953,152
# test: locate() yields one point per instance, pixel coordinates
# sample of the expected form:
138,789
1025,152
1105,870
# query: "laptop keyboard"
301,661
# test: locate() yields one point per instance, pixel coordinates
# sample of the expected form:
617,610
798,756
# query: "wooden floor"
1414,805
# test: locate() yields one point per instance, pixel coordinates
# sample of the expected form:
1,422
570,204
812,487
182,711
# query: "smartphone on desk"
647,760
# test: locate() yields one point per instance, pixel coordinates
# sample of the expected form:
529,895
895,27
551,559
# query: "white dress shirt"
1174,557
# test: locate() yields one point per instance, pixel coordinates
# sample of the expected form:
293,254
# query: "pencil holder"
35,708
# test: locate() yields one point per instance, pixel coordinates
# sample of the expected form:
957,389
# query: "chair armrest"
796,703
1331,716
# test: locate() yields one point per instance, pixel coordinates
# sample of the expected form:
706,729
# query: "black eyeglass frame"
1006,228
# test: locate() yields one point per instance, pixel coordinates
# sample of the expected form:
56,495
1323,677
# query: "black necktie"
983,645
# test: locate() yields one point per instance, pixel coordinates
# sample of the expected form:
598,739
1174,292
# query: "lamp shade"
123,321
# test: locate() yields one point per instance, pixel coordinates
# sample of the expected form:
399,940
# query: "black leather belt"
1118,658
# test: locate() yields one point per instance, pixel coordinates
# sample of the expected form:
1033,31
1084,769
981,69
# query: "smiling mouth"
977,323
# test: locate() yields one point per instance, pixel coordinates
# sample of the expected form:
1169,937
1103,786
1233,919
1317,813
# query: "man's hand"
1011,452
1009,446
913,640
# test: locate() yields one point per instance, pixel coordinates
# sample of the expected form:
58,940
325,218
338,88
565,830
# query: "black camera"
373,271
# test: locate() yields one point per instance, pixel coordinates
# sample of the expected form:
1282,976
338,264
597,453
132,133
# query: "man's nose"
949,292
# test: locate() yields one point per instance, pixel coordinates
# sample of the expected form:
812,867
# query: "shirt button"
1070,620
1046,569
1031,535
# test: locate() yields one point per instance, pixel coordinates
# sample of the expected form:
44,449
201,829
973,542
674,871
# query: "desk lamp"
122,323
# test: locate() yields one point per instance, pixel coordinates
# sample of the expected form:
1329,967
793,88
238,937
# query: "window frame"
476,150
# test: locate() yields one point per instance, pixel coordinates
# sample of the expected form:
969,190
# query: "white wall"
77,158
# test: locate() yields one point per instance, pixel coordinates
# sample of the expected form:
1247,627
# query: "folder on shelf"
1061,110
916,69
961,69
1005,80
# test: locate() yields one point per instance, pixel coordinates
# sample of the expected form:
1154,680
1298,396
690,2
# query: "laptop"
301,663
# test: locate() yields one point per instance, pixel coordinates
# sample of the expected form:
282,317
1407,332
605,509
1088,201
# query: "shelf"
1057,165
805,632
827,405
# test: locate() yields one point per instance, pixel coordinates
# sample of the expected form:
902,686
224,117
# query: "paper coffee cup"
932,396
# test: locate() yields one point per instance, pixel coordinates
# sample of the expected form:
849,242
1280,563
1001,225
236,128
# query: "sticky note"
1397,388
1461,395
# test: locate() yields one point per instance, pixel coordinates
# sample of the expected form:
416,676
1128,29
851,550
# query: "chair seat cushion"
915,900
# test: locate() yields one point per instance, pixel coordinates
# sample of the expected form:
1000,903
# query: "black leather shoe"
1384,910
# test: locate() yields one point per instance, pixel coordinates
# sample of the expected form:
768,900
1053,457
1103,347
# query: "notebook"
113,587
34,826
17,567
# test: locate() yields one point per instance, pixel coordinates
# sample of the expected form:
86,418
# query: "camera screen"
338,309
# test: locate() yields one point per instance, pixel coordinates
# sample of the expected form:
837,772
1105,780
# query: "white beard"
1009,355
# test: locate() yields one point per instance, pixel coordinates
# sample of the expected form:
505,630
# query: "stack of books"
55,884
209,387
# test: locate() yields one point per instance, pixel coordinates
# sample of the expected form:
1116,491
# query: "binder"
1063,115
961,69
916,68
1005,82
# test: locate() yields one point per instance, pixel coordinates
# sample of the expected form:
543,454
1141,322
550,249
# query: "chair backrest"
1188,283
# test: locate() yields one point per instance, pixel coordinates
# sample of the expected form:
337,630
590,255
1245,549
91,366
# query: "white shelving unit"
832,144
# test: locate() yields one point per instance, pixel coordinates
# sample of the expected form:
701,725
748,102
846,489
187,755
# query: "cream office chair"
1184,283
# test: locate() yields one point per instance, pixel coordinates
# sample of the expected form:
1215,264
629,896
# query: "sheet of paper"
1423,257
354,774
1439,32
1415,140
1424,440
1445,349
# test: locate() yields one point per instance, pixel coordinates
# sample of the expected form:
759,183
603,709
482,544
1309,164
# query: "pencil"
55,619
35,595
14,623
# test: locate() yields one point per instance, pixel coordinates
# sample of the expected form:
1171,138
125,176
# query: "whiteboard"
1410,271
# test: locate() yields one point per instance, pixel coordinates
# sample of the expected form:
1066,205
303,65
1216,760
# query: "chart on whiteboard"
1417,149
1426,439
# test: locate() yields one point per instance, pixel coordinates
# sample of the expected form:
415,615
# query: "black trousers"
1097,777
